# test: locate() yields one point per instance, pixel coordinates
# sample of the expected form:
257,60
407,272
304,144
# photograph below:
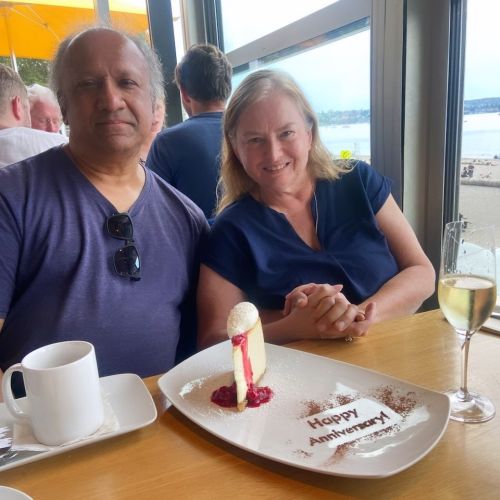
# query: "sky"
350,85
279,13
482,55
351,55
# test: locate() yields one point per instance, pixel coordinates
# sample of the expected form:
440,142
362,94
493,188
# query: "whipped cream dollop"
242,318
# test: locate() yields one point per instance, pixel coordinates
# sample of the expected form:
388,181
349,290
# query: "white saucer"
131,402
7,493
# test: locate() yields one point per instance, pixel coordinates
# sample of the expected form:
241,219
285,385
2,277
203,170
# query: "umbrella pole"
13,62
101,8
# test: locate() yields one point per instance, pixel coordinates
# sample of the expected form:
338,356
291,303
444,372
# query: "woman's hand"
331,313
364,319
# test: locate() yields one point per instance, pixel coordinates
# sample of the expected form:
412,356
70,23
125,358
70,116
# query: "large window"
479,194
331,64
246,21
340,97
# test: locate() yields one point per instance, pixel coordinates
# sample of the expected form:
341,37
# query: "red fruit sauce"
226,395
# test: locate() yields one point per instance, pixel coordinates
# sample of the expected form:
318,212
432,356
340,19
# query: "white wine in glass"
467,295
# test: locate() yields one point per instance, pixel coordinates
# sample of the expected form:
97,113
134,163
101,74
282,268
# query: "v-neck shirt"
57,280
256,248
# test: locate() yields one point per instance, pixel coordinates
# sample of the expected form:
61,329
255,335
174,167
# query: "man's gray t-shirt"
57,280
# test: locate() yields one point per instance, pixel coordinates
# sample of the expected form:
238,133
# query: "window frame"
411,123
386,85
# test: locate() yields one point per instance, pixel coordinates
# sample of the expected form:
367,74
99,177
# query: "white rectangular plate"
131,402
322,414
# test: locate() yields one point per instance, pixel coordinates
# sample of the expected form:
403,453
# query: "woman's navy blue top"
255,247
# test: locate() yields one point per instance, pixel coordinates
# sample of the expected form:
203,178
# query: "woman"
294,228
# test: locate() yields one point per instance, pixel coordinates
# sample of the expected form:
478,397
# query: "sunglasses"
126,259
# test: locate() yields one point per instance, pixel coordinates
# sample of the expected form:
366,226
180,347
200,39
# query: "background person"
94,246
292,225
157,125
17,139
44,109
188,154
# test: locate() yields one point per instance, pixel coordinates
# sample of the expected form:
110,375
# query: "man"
158,124
44,109
188,155
94,246
17,140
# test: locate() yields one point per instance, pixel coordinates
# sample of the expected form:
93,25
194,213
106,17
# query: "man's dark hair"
205,73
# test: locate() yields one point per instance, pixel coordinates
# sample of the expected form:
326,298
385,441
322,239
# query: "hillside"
471,107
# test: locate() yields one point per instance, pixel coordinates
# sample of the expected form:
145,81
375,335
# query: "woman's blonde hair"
234,182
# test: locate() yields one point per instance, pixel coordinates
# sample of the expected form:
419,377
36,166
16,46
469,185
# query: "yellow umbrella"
33,29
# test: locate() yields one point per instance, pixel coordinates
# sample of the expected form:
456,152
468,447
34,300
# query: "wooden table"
174,458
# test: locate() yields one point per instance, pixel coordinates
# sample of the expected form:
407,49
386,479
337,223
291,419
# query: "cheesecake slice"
249,354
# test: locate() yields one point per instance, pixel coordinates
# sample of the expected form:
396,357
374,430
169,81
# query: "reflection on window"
335,76
479,199
245,21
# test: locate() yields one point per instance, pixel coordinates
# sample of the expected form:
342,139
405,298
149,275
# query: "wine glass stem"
465,342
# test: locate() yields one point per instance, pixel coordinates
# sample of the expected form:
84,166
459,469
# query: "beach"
484,170
479,197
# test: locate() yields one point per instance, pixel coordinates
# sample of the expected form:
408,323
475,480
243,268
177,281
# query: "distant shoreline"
354,116
480,137
485,172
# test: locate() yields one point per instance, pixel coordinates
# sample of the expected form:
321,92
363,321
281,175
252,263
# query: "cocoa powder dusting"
344,399
340,452
303,453
313,407
384,432
403,404
343,449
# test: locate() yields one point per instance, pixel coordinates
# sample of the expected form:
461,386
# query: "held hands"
326,313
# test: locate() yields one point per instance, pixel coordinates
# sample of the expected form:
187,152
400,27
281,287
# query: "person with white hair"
44,109
18,140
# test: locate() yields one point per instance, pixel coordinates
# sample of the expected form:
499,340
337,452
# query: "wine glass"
467,295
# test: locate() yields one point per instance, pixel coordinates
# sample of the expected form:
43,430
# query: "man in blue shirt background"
188,154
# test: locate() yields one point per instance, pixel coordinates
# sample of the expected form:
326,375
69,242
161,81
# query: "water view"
480,164
481,137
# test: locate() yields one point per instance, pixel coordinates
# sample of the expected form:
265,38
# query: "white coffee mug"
63,392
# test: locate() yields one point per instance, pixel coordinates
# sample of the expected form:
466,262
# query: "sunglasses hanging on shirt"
126,261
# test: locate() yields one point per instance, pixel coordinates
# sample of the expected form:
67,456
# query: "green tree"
31,70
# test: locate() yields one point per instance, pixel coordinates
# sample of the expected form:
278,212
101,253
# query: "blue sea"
480,137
